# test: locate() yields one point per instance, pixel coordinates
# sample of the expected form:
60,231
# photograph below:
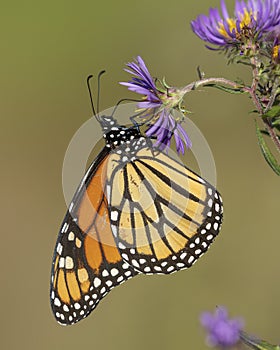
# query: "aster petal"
145,71
135,88
179,143
224,9
148,104
185,136
140,70
206,319
163,127
156,126
222,313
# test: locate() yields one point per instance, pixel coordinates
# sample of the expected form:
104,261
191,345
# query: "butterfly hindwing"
87,263
163,215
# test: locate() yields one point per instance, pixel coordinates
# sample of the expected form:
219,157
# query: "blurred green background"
47,50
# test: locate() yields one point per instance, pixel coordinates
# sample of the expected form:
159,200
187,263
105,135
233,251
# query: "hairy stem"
219,81
253,92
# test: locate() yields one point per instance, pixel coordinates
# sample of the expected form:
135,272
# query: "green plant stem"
204,82
260,108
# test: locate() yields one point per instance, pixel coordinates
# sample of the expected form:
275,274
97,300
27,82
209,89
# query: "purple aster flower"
143,84
251,21
222,331
157,106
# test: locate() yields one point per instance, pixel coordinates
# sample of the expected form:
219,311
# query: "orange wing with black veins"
87,263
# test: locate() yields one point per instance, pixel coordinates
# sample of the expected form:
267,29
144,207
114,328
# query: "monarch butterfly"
135,211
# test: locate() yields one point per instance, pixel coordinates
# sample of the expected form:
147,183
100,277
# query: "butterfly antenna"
90,96
98,90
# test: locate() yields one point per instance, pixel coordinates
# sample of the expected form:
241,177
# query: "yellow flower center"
246,19
275,52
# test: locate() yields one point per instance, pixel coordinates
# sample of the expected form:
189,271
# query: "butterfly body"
115,134
135,211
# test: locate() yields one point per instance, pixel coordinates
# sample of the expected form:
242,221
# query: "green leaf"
274,112
276,122
226,89
257,344
245,63
269,157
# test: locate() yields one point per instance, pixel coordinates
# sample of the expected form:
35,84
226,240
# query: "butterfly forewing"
163,215
87,263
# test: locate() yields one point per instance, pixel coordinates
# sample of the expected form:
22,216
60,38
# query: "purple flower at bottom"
222,331
156,108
